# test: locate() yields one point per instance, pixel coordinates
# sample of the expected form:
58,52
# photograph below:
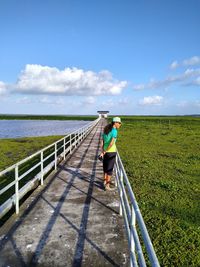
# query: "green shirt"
107,138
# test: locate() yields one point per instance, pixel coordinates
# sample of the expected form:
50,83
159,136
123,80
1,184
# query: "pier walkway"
71,220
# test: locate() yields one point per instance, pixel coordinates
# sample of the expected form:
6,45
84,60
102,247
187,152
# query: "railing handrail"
75,138
130,210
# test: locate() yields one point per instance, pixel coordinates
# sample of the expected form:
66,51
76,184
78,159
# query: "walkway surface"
71,220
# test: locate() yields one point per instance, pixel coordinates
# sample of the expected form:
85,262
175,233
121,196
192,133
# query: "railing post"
64,148
116,174
121,194
132,242
42,167
81,134
17,189
55,156
115,178
70,143
75,139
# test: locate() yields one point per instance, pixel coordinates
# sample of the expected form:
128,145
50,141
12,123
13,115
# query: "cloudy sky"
131,57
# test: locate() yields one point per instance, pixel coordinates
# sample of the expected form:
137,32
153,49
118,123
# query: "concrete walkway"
71,220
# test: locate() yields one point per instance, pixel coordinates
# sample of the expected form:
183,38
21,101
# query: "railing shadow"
97,184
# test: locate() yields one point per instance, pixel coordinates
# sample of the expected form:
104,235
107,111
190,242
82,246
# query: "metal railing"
26,174
134,223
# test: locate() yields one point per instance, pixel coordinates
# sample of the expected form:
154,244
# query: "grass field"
16,149
162,158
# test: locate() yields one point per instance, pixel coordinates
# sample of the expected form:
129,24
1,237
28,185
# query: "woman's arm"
101,145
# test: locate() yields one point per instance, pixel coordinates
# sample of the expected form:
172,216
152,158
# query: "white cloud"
195,82
151,100
174,65
2,88
191,61
186,62
37,79
181,78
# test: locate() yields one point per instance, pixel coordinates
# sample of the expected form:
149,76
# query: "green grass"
162,158
14,150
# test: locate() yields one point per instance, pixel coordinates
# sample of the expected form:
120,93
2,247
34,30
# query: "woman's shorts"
108,162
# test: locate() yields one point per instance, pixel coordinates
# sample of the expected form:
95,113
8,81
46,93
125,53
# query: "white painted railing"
134,223
41,162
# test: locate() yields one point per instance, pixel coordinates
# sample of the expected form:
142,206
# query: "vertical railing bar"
115,169
42,167
126,221
55,157
120,193
125,197
78,136
17,189
64,141
70,143
75,139
132,243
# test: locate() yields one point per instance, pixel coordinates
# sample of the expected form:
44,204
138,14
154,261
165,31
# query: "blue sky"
131,57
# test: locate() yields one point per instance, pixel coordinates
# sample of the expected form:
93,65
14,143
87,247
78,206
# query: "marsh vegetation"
162,158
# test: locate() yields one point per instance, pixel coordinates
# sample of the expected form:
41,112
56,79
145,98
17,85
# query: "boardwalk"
71,220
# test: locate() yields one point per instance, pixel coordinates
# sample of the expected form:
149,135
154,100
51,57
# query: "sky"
130,57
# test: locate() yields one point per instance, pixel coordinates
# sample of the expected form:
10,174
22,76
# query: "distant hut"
103,114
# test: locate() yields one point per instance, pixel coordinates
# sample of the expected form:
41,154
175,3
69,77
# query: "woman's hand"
102,154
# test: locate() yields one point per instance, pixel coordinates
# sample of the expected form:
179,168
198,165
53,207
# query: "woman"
109,149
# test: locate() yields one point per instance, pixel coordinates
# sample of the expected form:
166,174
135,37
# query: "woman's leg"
108,165
105,166
106,181
104,178
108,178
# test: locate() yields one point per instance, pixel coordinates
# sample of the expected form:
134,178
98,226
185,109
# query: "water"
30,128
